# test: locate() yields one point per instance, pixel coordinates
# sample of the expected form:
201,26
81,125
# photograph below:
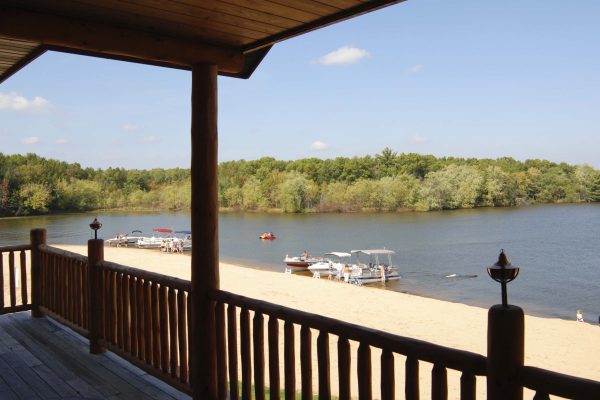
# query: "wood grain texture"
205,225
323,364
289,360
232,352
273,340
258,341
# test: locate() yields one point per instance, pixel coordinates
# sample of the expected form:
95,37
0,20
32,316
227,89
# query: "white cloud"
417,139
129,127
343,55
61,141
30,140
415,69
318,145
15,102
151,139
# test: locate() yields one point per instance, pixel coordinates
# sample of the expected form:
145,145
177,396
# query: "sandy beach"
563,346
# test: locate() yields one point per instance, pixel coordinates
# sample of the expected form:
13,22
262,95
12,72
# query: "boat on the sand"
155,242
125,240
300,263
331,264
370,266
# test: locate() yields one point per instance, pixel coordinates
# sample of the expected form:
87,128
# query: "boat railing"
250,356
15,282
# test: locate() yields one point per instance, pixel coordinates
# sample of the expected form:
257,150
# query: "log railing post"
204,216
505,352
95,255
37,237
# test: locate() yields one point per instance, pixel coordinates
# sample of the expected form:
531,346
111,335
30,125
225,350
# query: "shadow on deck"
42,359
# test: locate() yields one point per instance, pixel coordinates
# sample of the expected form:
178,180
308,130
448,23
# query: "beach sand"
563,346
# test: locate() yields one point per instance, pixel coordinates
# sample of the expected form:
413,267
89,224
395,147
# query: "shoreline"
233,210
530,309
555,344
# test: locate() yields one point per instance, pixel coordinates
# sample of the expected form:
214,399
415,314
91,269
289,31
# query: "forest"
388,181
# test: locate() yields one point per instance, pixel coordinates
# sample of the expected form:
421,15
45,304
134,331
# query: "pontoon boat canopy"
339,254
375,252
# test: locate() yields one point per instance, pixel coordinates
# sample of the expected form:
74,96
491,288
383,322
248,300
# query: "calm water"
556,246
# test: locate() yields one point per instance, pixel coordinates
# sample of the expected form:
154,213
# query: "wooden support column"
205,253
37,237
506,352
95,299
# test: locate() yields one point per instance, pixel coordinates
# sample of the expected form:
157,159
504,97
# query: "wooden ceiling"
233,34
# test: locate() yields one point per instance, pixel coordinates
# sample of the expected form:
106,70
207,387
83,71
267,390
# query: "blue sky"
461,78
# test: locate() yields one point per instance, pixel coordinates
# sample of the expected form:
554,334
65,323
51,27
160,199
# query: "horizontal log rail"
17,285
144,319
455,359
64,292
15,248
442,358
546,383
44,248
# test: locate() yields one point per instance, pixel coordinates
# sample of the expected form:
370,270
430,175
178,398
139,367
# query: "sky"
450,78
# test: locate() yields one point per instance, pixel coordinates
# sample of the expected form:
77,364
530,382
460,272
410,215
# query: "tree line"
388,181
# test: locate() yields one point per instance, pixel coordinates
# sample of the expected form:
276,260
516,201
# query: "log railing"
64,292
545,383
144,319
14,279
229,305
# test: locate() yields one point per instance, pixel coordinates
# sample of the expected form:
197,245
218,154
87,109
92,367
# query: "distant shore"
563,346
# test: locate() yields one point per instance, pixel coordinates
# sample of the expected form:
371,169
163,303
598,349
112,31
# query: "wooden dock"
41,359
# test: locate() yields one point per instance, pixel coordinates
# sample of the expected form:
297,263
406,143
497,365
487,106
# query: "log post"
506,352
205,253
36,237
95,255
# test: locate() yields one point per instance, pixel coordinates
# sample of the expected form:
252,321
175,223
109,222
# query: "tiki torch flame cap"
503,270
95,225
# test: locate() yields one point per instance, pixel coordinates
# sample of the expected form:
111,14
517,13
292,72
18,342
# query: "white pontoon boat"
371,266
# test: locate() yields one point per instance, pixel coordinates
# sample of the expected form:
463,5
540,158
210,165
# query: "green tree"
293,192
500,187
333,197
77,195
450,188
594,190
35,197
386,163
585,176
252,196
233,197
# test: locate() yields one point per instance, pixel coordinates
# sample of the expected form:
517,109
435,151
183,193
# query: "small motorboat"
267,236
300,263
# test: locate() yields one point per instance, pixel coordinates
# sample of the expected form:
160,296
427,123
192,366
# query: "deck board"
41,359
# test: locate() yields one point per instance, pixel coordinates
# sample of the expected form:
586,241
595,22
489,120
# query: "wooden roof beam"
108,41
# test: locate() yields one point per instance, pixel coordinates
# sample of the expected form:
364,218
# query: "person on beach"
579,316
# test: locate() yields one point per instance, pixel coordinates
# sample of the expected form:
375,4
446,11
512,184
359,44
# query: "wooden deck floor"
41,359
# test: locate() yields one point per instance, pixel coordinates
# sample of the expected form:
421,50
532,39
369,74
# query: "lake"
556,246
